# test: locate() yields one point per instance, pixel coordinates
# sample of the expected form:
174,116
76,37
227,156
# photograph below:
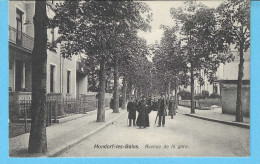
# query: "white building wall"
53,58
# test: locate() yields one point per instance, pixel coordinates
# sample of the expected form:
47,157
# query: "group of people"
144,108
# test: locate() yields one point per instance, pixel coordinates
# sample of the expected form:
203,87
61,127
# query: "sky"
161,16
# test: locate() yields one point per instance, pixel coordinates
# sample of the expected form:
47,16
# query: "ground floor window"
215,88
52,76
19,75
68,81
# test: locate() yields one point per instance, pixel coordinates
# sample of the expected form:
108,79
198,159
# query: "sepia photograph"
127,78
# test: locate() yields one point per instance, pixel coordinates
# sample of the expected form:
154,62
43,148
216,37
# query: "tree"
84,28
169,61
125,30
98,29
203,42
132,64
235,21
38,139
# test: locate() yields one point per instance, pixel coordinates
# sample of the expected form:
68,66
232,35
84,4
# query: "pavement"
182,136
65,139
61,137
215,114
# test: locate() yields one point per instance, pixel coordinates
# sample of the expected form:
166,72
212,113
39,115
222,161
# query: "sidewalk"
215,115
62,136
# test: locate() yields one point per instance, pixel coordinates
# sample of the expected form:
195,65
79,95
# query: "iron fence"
20,38
24,113
80,105
67,105
187,103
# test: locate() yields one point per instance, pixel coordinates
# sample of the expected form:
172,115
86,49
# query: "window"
19,26
52,69
19,75
215,88
68,81
52,35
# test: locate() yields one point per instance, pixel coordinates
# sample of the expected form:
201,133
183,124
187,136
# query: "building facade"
65,79
227,76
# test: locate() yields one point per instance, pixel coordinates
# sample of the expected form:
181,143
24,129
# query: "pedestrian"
162,110
154,104
149,101
131,108
171,107
143,114
112,103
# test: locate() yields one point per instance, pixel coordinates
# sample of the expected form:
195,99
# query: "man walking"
131,109
162,111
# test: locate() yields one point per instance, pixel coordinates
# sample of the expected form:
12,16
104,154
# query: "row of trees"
106,32
201,40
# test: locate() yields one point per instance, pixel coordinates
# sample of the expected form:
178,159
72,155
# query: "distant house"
225,84
206,86
227,76
65,76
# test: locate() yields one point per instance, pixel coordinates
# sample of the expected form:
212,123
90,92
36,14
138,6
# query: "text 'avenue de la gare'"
133,146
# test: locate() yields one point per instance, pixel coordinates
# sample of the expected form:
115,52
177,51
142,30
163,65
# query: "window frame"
68,89
52,79
19,20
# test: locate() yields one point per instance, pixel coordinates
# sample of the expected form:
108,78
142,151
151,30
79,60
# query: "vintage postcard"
129,78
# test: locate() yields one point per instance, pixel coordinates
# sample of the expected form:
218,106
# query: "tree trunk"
135,92
239,111
124,93
169,92
129,91
139,92
101,94
38,138
116,95
106,86
176,94
192,89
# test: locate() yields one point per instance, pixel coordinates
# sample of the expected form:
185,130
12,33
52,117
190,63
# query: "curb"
67,119
62,149
241,125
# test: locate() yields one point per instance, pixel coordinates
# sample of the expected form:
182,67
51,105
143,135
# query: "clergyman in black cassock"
143,116
131,108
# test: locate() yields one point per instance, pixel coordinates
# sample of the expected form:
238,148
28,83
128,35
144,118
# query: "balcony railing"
20,39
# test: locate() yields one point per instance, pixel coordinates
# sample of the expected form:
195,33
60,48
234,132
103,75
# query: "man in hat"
143,116
131,108
162,110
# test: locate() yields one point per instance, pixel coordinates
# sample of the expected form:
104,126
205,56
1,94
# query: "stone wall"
229,96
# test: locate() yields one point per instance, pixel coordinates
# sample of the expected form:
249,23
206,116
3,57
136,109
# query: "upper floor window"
19,26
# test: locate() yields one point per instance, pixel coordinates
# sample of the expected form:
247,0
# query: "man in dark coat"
149,101
131,108
162,111
154,104
143,116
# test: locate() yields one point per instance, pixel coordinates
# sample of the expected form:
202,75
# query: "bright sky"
161,16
